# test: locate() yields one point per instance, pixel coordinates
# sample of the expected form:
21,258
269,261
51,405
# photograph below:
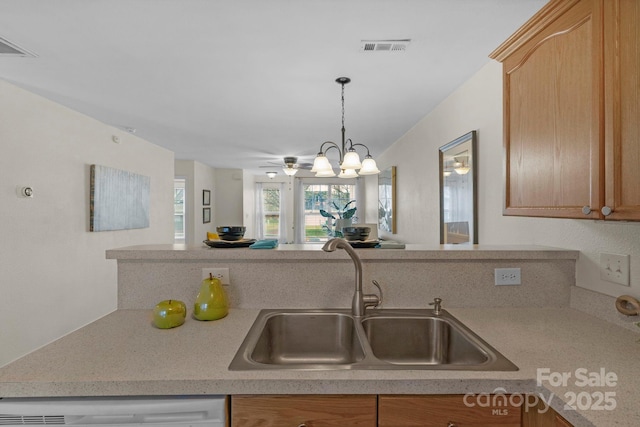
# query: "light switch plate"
614,268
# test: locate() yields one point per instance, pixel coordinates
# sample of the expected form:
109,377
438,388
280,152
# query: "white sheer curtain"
259,212
298,225
360,200
282,223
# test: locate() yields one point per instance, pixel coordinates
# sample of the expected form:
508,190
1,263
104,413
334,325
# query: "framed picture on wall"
118,200
206,215
206,197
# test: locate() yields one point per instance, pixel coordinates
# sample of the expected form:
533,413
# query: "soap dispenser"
211,302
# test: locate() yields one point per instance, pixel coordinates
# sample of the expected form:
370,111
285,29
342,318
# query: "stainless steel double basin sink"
394,339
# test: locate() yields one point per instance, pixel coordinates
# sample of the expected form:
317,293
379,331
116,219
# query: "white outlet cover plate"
507,276
220,273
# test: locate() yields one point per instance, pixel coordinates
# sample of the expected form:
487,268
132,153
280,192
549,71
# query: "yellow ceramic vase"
211,302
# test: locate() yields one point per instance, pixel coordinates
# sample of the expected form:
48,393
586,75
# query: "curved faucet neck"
357,305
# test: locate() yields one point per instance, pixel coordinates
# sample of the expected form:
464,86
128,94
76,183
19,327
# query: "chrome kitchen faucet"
360,302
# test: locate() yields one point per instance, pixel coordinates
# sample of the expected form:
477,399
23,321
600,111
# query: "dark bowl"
231,232
356,233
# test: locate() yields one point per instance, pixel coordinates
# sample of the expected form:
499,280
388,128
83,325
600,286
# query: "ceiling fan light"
348,173
321,163
290,171
351,160
369,167
462,170
325,174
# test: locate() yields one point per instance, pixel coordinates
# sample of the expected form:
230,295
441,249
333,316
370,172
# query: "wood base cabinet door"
303,411
447,411
541,415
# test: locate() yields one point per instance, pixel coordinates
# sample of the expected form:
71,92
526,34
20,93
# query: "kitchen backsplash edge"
273,279
603,307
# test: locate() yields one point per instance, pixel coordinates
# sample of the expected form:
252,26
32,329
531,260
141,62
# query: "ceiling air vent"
384,45
11,49
31,420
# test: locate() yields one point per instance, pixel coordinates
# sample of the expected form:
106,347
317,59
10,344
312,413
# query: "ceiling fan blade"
289,162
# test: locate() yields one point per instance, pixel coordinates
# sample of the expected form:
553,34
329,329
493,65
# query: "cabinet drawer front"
439,411
296,410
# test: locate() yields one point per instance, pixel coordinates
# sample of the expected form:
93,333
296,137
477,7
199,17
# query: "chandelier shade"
369,167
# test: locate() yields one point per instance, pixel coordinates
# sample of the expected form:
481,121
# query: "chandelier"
350,165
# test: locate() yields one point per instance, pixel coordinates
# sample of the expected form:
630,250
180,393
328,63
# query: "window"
178,210
322,196
271,213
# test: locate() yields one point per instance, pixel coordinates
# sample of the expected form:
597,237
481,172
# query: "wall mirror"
387,200
458,191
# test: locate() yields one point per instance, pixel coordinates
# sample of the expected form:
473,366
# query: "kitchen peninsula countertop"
123,354
312,251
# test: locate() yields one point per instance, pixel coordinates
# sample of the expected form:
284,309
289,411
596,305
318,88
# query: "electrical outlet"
507,276
615,268
218,273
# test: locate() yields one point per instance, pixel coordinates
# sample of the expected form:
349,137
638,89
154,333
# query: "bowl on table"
356,233
231,232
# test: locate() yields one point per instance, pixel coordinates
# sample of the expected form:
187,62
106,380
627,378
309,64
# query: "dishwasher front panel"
166,411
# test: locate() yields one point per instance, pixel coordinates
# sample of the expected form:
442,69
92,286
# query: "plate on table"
364,243
242,243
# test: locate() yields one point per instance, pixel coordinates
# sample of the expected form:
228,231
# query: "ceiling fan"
290,166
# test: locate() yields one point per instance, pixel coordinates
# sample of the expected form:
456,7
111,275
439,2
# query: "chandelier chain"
349,160
342,105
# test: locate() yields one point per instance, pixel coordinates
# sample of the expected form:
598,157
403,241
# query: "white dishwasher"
174,411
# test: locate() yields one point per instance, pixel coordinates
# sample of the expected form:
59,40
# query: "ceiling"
240,83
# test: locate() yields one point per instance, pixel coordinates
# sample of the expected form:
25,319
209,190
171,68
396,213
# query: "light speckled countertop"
123,354
312,251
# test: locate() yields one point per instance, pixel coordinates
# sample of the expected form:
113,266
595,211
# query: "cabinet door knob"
586,210
606,210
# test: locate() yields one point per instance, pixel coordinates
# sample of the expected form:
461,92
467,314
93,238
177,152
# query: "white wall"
477,104
54,277
198,177
228,202
249,203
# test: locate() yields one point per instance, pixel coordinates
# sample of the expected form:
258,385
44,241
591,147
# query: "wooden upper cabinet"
622,108
571,111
